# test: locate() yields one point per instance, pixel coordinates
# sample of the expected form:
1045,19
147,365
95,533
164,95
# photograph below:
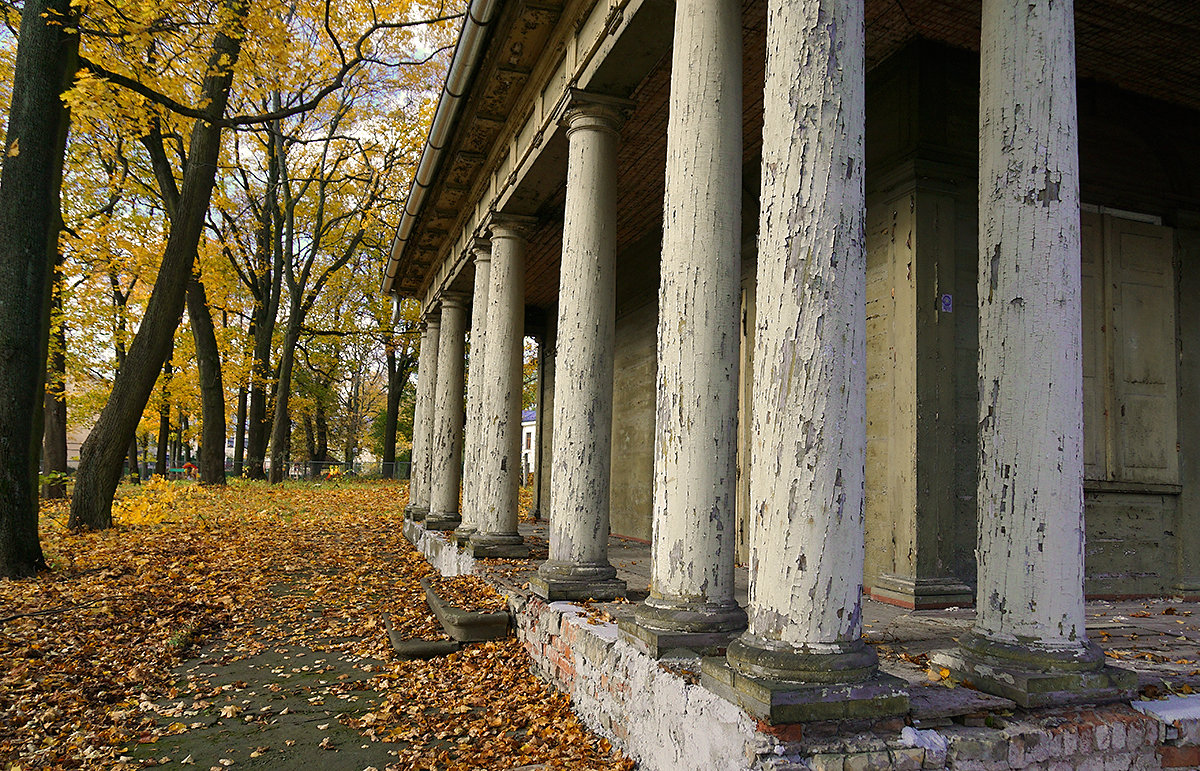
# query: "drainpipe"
467,56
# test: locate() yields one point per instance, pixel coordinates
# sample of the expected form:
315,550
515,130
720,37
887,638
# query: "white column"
809,443
578,566
419,471
695,443
804,643
446,450
481,252
500,466
1029,642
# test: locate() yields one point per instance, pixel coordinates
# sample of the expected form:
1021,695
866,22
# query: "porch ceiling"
1150,47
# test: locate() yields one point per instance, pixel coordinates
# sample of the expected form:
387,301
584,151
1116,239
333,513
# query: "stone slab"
778,702
467,625
498,551
1040,689
929,702
656,643
424,649
442,522
549,589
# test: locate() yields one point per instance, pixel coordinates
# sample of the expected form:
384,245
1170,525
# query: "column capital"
432,318
453,299
504,225
480,249
599,112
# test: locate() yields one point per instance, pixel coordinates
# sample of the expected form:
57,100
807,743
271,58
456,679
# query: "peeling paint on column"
482,251
1030,373
809,437
581,458
695,443
446,449
421,470
500,431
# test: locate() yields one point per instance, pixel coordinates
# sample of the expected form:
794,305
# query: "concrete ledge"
778,701
442,554
1179,717
467,625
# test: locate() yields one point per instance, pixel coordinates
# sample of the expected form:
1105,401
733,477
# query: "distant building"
528,444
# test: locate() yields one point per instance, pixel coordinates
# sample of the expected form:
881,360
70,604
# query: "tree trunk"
239,434
388,471
212,392
281,425
29,224
264,322
100,457
54,447
164,425
132,458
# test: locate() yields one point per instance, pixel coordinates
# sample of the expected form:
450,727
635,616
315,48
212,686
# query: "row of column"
485,517
802,631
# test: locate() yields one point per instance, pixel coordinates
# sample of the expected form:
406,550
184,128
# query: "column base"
783,701
558,589
442,520
1034,678
462,534
502,545
560,580
922,593
659,626
418,513
1188,588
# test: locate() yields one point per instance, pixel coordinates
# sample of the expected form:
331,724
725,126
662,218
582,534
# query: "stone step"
467,625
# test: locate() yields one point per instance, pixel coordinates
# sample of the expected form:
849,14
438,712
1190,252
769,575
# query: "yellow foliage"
159,501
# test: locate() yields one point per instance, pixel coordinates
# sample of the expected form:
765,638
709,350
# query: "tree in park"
29,226
102,454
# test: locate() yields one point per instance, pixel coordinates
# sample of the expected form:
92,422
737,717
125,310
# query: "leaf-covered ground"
235,627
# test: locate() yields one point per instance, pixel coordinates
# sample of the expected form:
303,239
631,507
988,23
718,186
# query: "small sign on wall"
946,303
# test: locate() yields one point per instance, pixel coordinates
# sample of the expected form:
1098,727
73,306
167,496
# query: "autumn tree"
100,456
29,226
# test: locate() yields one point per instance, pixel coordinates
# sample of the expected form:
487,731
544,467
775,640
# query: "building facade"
876,297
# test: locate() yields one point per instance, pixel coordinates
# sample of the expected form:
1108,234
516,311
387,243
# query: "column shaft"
695,443
472,449
578,566
1029,641
414,471
500,465
447,448
427,365
809,445
804,642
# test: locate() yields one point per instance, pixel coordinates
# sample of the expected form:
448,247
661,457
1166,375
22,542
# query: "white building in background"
528,445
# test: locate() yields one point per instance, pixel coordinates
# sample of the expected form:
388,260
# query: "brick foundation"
657,712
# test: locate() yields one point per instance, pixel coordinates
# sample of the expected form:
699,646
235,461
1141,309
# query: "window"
1129,392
